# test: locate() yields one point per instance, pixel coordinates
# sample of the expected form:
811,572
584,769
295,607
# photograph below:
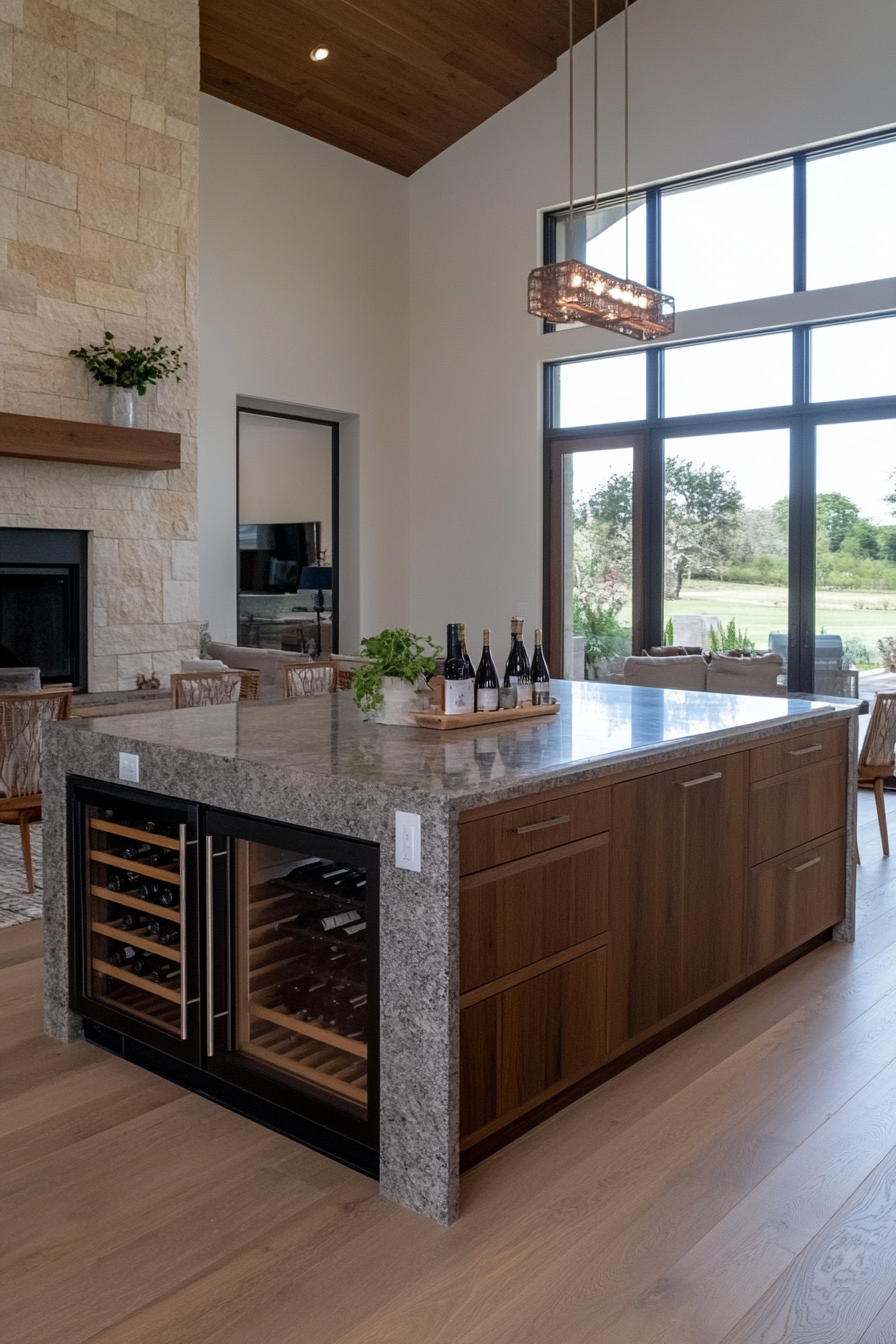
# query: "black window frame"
800,418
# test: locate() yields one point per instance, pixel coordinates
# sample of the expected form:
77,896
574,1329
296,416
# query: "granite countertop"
598,726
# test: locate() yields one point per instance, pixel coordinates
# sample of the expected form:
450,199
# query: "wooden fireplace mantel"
35,436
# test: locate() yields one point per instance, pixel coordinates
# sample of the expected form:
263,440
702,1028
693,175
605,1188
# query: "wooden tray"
490,719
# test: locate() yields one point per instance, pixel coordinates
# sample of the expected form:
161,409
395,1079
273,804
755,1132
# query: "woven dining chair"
191,690
877,759
301,679
21,722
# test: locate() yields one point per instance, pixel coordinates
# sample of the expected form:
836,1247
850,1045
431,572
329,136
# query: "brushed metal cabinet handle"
182,868
810,863
209,953
805,751
704,779
542,825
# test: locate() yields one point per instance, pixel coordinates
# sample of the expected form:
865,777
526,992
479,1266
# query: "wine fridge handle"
209,951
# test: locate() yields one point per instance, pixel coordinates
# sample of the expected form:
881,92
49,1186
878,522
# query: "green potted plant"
387,688
128,371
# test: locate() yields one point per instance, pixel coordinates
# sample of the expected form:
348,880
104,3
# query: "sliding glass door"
726,541
855,557
595,500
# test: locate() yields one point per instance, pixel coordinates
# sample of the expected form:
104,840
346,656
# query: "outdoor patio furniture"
877,759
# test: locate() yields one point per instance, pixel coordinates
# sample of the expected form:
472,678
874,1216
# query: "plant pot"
121,407
399,699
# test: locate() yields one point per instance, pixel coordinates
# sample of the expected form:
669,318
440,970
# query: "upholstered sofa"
726,673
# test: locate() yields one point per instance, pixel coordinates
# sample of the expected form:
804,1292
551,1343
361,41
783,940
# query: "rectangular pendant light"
572,291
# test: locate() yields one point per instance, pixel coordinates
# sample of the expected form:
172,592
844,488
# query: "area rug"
17,904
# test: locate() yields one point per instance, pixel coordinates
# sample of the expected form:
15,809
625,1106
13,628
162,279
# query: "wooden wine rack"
119,973
161,1005
136,940
268,1031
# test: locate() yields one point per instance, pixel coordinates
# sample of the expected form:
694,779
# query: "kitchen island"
588,884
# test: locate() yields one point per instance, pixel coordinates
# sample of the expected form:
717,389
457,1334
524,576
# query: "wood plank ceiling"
404,78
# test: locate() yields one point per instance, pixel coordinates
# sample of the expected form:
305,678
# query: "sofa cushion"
684,673
736,675
15,680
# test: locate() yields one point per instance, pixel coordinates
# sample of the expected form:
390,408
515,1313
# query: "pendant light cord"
595,109
625,152
571,208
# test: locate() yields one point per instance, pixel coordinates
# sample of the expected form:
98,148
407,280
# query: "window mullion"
799,223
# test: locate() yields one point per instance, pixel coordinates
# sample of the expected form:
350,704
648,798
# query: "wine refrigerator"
234,955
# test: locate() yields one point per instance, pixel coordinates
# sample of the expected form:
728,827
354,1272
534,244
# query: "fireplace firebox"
43,603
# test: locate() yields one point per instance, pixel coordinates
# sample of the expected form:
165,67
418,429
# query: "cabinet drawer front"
794,809
553,1030
793,899
793,752
532,829
520,1046
527,910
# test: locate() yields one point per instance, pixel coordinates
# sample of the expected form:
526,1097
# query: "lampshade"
316,576
572,291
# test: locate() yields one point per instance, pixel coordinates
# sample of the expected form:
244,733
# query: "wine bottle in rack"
158,894
119,881
137,853
539,675
124,956
133,919
516,671
162,972
486,678
163,931
459,687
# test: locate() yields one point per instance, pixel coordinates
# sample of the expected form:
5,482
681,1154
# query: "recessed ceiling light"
320,53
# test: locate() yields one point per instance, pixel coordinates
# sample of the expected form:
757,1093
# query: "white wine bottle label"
486,699
541,693
356,928
459,697
523,691
337,921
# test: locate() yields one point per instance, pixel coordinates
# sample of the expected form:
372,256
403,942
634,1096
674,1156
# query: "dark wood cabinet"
792,897
521,912
677,890
521,1046
593,923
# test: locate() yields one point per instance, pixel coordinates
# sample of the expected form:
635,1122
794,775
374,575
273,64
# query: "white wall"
285,474
714,82
303,303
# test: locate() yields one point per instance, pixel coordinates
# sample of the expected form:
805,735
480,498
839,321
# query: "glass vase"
121,407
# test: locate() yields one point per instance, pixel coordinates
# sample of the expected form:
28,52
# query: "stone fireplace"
98,209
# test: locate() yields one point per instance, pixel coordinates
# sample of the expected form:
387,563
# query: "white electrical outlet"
129,767
407,841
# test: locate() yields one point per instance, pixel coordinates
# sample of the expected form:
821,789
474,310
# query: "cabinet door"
521,912
526,1044
676,890
793,898
789,810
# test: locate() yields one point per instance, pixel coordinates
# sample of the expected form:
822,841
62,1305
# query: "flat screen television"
273,555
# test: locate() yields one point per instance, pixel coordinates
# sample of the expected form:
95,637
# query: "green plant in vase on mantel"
129,371
385,688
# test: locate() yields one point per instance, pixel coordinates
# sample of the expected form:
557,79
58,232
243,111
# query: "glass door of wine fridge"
135,916
293,951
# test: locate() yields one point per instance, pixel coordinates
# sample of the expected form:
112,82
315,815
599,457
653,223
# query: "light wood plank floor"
739,1186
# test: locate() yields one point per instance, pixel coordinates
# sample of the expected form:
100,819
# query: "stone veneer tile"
90,85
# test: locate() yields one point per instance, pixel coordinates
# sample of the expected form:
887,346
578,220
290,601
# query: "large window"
811,220
736,493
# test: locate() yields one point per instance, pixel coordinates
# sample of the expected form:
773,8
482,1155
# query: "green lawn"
759,609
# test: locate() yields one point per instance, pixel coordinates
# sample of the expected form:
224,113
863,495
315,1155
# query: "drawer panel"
792,752
793,809
794,898
531,829
517,914
530,1041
